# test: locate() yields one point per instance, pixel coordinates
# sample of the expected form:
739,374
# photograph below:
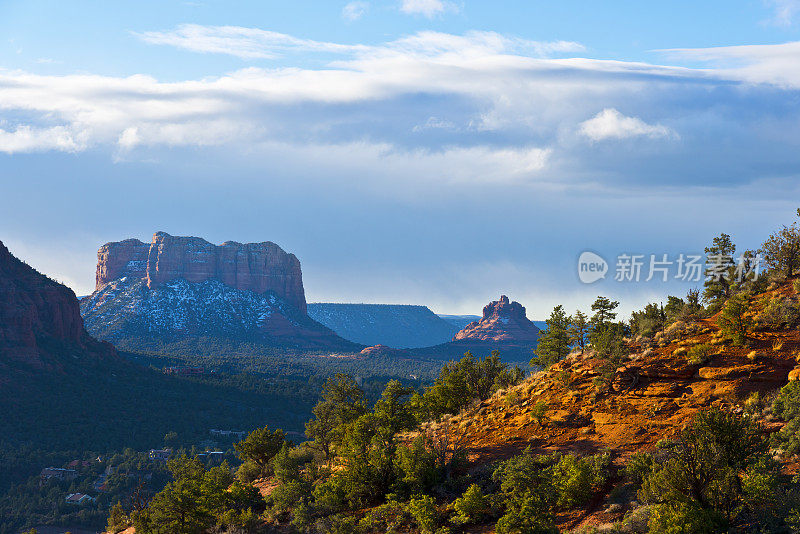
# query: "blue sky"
419,151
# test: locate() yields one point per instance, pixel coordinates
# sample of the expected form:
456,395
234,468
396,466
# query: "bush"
576,479
423,510
778,313
459,383
787,407
685,519
699,354
533,488
471,507
389,517
734,320
702,481
639,467
539,412
248,472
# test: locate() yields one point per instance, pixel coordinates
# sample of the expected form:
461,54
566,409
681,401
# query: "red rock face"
502,321
257,267
31,306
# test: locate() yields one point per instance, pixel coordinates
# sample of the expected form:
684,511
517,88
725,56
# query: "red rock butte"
33,306
257,267
502,321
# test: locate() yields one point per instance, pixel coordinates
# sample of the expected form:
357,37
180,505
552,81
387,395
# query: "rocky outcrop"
36,309
502,321
258,267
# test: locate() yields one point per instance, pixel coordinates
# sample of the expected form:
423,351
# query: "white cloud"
246,43
611,124
28,139
354,10
777,64
254,43
478,106
785,11
435,123
427,8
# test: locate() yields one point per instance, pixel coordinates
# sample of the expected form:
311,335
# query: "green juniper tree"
554,345
579,330
781,250
720,270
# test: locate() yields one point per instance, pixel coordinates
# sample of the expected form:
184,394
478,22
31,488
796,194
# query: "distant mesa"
395,325
176,288
459,321
257,267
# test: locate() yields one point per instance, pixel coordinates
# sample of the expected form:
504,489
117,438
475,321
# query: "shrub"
778,313
472,506
639,467
636,521
423,510
459,383
685,519
539,412
117,519
734,321
248,472
576,479
512,398
388,517
702,481
699,354
336,524
787,407
535,487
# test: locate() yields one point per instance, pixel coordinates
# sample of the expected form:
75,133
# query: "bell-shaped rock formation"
502,321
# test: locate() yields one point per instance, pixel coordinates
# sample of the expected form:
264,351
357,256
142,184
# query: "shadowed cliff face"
502,321
258,267
33,306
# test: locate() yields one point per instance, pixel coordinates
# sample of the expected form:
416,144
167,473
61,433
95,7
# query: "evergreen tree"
782,249
721,269
734,319
579,330
260,446
342,402
604,314
554,345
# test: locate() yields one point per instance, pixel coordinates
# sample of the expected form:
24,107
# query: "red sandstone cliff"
257,267
502,321
33,307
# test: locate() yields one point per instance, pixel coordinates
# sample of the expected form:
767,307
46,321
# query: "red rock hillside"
33,309
502,321
257,267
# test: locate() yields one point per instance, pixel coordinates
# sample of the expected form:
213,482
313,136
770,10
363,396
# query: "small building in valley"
161,455
57,473
79,499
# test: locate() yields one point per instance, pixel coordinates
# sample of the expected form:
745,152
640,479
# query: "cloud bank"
531,111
